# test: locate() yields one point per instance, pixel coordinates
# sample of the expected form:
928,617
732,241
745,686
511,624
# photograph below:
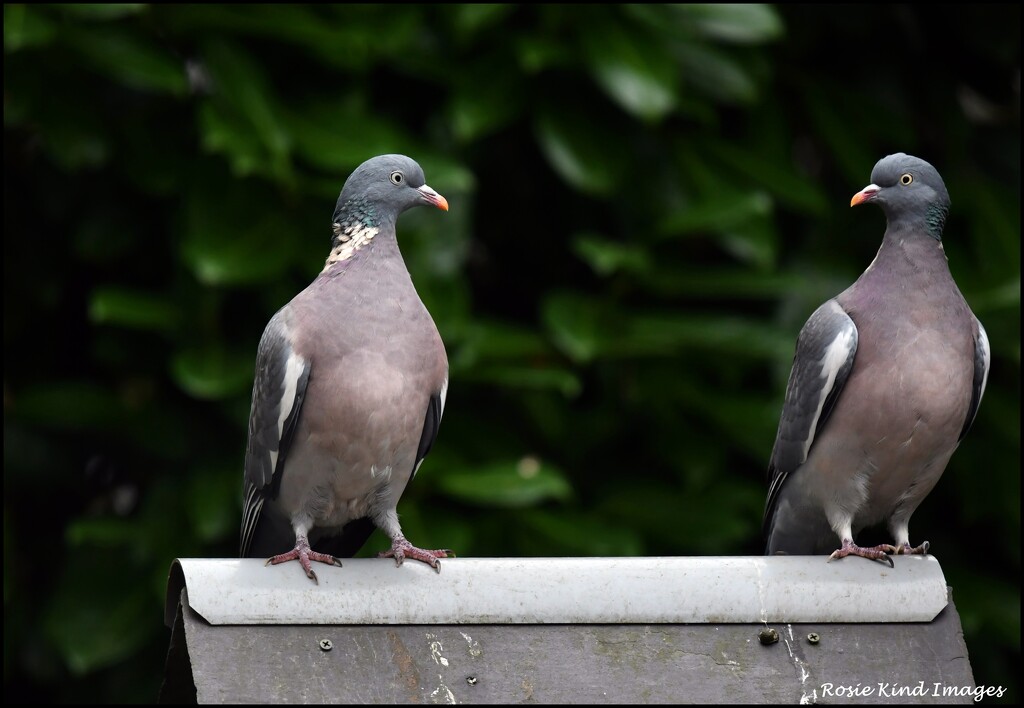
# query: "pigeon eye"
397,178
904,180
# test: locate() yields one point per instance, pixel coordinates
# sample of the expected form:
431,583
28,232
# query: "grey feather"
350,385
982,359
269,441
902,399
431,424
824,356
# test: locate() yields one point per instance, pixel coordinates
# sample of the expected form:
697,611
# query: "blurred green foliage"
647,203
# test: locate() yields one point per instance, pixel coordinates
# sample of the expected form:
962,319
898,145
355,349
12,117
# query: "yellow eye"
906,179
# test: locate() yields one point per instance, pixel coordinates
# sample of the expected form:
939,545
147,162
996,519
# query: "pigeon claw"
849,548
907,550
304,554
402,549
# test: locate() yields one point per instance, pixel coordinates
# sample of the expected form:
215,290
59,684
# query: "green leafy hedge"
647,201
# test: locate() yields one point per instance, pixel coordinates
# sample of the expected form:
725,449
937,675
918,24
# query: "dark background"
647,202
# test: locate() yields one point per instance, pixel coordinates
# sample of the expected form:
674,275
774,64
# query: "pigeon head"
382,188
910,192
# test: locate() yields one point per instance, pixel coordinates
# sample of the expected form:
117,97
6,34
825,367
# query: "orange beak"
432,197
865,194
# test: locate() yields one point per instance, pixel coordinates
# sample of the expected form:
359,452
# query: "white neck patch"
350,238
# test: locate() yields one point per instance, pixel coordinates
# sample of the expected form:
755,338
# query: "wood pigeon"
886,381
351,377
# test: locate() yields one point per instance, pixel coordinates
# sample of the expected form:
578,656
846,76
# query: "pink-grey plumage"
351,378
887,379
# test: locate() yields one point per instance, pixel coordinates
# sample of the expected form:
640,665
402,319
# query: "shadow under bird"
351,377
886,381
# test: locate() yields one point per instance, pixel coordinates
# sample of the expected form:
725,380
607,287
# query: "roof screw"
813,638
326,645
768,636
471,680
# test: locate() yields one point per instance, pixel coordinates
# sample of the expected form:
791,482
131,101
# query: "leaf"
725,283
994,214
839,125
213,493
102,11
132,308
635,71
25,27
299,25
586,329
670,332
1000,297
578,325
522,378
740,221
581,151
537,53
759,415
97,532
244,97
389,38
607,257
222,133
178,438
450,176
212,373
580,534
777,178
339,135
494,340
718,213
69,405
486,97
106,236
520,483
472,19
125,58
31,461
76,148
730,22
727,516
235,236
754,242
101,622
716,74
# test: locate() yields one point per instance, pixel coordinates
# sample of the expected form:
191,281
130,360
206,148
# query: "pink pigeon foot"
402,549
907,550
851,549
304,554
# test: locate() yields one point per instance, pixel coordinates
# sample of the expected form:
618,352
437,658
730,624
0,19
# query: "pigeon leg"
304,554
851,549
402,549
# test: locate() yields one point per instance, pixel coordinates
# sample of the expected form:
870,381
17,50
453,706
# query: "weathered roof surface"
590,660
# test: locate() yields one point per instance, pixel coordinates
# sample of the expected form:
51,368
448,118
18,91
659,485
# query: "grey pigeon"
886,381
351,377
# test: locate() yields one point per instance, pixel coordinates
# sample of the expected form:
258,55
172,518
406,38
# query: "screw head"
813,638
768,635
326,645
